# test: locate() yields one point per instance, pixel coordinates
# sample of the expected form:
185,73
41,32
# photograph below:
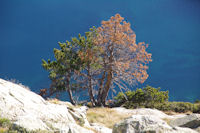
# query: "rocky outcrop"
32,112
152,119
29,110
191,121
147,124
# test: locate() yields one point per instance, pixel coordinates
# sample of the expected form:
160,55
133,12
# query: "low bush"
196,108
197,101
146,97
4,122
175,106
150,97
180,107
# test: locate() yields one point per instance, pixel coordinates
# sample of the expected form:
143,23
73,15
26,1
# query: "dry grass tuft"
105,116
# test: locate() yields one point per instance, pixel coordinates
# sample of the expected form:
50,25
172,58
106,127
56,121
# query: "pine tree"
61,71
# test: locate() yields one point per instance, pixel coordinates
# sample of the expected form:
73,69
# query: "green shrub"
138,96
162,106
4,122
183,106
146,97
197,101
150,97
180,107
154,95
176,106
120,98
129,94
196,108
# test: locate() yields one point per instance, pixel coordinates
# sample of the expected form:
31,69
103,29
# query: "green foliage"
179,107
167,106
4,122
196,108
147,96
76,62
154,95
150,97
121,97
67,61
197,101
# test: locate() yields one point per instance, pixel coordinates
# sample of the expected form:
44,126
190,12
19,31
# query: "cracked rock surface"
31,111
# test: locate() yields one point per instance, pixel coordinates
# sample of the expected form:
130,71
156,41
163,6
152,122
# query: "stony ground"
31,112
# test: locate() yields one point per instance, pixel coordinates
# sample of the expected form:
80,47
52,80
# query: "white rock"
32,112
147,123
32,122
191,121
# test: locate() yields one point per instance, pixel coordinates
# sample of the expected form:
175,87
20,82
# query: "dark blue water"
30,29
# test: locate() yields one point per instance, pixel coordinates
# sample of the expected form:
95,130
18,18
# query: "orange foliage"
124,57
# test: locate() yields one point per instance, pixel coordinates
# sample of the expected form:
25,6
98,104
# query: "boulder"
191,121
31,111
100,128
146,124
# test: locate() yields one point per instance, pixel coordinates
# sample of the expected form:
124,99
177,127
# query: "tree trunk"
109,77
70,96
90,89
100,92
103,91
69,90
106,88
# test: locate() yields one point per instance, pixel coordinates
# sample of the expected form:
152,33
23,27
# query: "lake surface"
30,29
